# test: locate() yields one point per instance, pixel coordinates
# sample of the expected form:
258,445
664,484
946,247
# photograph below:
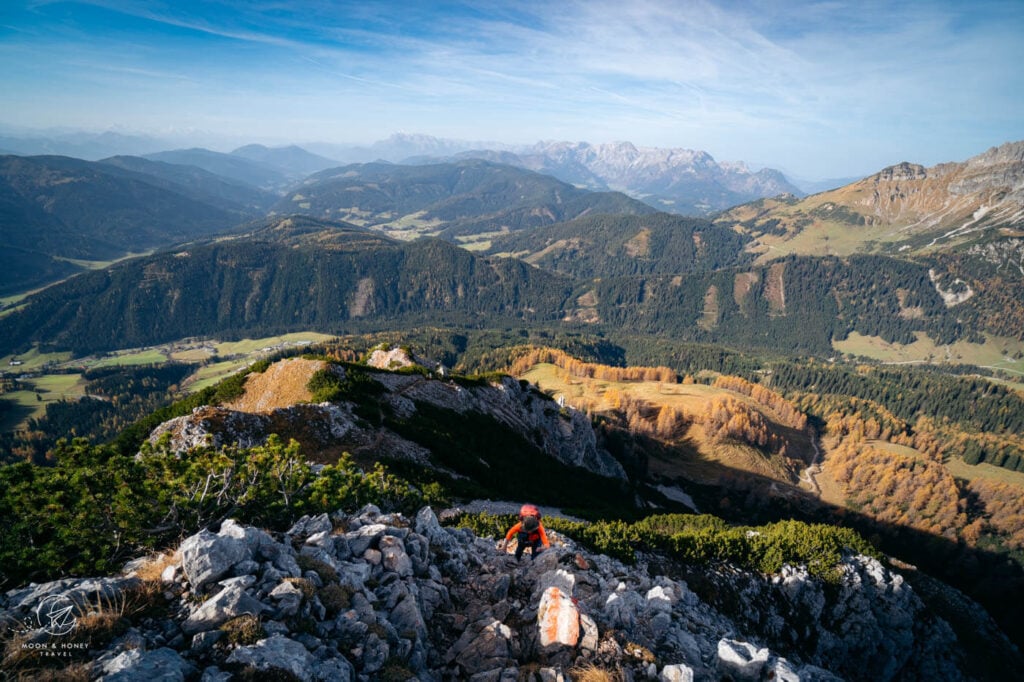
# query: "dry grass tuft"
325,571
304,585
14,655
591,673
245,630
640,653
152,570
74,672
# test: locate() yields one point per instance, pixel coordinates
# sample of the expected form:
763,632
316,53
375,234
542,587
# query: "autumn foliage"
725,417
786,411
895,488
1004,510
589,370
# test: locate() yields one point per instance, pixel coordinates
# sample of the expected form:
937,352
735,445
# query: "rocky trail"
808,475
372,596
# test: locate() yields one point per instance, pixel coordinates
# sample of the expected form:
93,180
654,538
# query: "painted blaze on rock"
558,619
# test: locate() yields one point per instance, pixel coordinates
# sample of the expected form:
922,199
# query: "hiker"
530,532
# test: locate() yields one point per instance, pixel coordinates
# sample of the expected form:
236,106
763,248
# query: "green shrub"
260,366
486,525
97,507
702,539
326,386
230,388
335,598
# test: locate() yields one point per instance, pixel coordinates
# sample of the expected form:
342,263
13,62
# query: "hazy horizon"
815,89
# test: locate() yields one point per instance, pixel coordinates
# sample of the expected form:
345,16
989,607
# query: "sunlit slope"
903,209
680,416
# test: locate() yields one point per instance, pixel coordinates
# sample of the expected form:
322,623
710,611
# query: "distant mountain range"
675,180
684,181
907,250
80,144
55,210
200,184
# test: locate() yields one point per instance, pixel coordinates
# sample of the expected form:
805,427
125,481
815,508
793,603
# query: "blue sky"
819,89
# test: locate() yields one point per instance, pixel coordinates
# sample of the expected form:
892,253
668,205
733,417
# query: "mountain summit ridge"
903,207
676,180
369,595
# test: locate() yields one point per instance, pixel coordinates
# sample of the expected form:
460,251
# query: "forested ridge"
462,198
263,288
54,208
975,403
622,245
115,398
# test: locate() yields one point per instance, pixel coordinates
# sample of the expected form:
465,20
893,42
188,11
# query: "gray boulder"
277,652
741,660
159,665
207,557
81,591
310,525
230,602
365,538
394,557
677,672
485,645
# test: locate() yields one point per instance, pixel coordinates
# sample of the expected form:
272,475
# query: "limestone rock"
558,619
207,557
741,660
484,646
159,665
394,557
277,652
677,672
307,526
229,603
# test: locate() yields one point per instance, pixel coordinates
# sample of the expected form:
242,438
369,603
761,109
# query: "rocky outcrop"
373,596
949,206
564,434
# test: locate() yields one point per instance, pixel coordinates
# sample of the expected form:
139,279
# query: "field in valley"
49,377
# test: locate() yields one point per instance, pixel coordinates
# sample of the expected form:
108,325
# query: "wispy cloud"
803,84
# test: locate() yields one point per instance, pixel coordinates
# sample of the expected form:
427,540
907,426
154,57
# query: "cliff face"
565,435
905,207
373,596
984,191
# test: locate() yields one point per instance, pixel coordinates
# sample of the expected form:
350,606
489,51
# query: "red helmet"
529,510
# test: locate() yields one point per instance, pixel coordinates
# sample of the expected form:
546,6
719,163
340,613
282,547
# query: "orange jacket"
539,533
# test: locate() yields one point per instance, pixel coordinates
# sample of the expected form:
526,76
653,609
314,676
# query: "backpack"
529,510
529,516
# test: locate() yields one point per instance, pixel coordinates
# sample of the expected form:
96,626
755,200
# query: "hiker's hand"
503,545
